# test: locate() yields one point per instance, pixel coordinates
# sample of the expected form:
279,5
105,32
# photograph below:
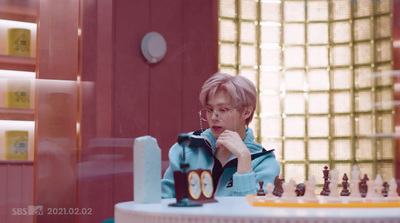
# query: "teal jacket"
200,155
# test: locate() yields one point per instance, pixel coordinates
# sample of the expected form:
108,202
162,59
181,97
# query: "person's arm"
168,183
265,168
231,141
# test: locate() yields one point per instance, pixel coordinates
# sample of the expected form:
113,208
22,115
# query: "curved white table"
238,210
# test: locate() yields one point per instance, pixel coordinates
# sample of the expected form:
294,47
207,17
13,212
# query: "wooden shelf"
17,13
16,162
17,63
17,114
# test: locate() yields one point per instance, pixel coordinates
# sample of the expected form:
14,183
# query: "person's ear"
247,111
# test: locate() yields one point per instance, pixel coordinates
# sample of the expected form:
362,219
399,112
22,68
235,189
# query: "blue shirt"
200,155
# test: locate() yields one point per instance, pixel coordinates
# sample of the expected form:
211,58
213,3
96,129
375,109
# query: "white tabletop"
238,210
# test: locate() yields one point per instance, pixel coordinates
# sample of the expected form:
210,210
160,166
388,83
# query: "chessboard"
358,193
323,202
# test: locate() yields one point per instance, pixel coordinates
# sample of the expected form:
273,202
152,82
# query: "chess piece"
289,194
309,194
371,193
269,195
147,170
278,190
374,193
384,190
378,189
325,190
355,195
392,194
364,186
345,191
300,190
261,190
333,196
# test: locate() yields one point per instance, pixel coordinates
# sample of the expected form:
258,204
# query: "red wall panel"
16,191
130,90
57,108
166,84
120,96
200,61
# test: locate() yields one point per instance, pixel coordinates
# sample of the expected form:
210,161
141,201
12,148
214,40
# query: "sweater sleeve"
168,183
264,169
244,184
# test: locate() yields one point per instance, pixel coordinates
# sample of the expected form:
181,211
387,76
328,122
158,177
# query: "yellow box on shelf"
16,145
19,42
18,94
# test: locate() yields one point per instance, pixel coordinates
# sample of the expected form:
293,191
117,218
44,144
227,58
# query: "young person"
227,147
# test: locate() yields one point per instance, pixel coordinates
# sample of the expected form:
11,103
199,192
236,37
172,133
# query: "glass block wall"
322,70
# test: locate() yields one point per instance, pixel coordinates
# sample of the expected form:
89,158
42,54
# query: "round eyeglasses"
221,114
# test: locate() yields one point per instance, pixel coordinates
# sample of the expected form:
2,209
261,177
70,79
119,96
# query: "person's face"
218,104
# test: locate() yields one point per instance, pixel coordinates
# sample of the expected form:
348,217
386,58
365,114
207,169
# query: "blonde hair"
242,91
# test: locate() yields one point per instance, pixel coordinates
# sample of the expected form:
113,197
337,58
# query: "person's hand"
231,141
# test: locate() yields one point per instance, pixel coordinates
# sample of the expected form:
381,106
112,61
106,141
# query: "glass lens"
221,114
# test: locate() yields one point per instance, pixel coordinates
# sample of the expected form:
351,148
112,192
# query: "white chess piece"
392,194
355,195
378,190
289,194
333,196
309,195
355,173
269,195
371,193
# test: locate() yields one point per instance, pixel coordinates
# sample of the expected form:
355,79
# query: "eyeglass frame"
229,111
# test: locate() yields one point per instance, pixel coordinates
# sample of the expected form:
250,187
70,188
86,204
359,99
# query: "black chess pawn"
325,190
278,189
363,187
345,184
384,190
300,190
261,192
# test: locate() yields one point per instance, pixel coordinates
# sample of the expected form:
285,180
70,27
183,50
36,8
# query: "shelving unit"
12,13
17,63
17,114
16,162
17,13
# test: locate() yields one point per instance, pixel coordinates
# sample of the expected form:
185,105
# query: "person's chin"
216,130
216,134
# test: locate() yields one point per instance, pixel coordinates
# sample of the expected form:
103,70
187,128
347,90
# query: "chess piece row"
287,192
359,187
